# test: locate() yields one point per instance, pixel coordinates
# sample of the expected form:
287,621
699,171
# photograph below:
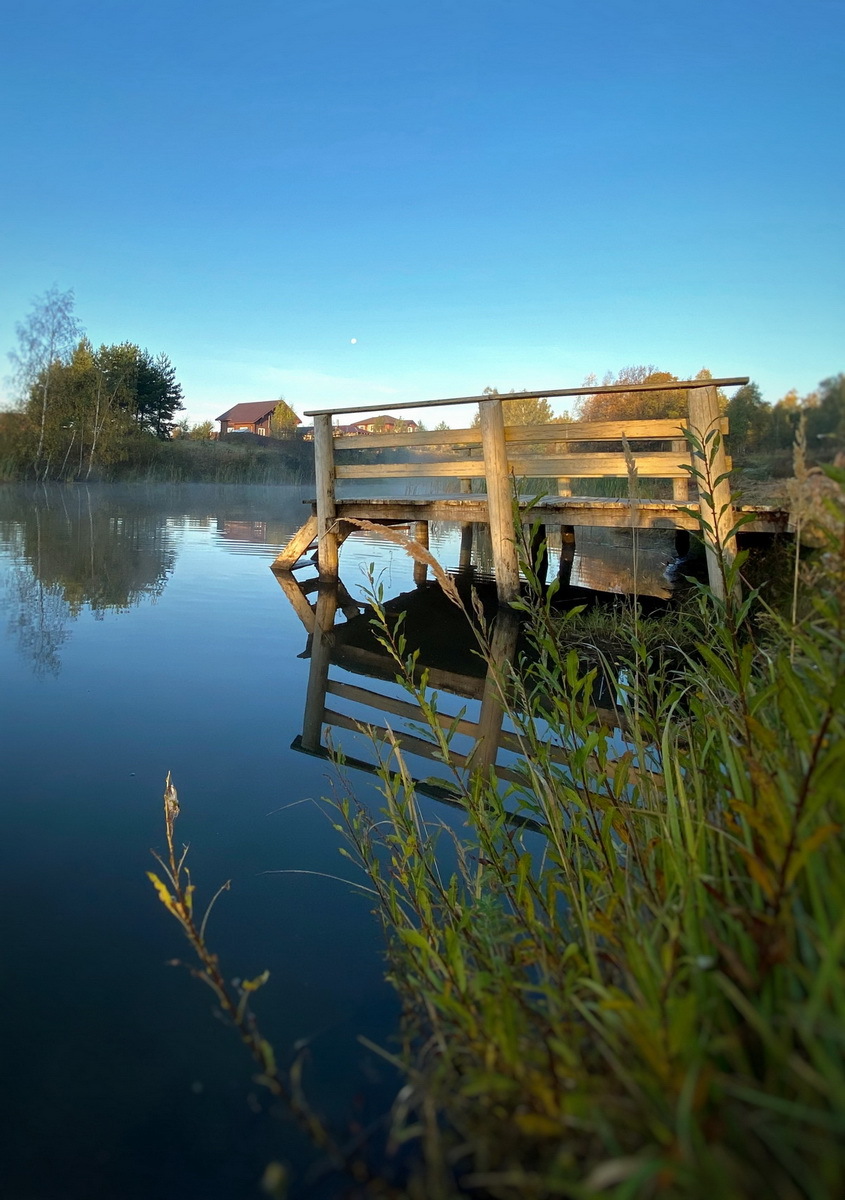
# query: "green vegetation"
624,976
82,411
108,414
648,998
239,458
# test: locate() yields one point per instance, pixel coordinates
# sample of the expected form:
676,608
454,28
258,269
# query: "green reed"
648,997
629,981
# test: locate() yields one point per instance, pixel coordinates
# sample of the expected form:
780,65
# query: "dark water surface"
142,631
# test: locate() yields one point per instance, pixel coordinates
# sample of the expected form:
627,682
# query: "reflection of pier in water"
447,652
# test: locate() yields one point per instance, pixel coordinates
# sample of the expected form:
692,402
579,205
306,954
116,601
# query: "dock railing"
561,450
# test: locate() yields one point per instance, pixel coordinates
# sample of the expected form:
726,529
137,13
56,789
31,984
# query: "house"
381,424
253,417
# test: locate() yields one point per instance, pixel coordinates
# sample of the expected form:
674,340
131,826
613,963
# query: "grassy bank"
181,460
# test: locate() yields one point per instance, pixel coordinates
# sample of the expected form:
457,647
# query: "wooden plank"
659,465
297,546
592,431
442,469
297,599
399,708
324,467
407,741
499,502
571,431
576,511
590,466
547,393
433,437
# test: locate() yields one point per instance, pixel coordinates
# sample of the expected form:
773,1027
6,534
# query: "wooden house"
252,417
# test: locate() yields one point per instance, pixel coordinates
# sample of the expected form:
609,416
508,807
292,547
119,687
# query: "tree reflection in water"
74,549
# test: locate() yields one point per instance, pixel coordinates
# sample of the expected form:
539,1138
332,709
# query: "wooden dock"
689,453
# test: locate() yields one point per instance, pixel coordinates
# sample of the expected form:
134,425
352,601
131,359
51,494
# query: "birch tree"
46,340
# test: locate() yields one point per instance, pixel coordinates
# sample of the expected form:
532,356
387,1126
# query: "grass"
645,996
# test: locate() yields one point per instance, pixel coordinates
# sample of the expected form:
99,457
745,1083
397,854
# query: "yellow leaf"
761,874
163,894
252,985
816,838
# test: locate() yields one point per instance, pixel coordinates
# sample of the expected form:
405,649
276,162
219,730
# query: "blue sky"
481,192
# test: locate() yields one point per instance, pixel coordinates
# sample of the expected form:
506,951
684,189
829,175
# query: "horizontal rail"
543,393
576,466
666,429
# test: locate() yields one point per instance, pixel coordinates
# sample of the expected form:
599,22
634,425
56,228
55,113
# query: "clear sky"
512,193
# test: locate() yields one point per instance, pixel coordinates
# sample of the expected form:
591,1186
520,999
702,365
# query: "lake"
142,631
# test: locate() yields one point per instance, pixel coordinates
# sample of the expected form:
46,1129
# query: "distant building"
253,417
381,424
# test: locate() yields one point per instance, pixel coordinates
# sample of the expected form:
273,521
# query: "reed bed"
644,995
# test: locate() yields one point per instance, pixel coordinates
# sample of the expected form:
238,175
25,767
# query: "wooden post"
327,547
564,487
318,674
488,730
421,538
567,554
499,500
540,554
703,418
680,487
465,557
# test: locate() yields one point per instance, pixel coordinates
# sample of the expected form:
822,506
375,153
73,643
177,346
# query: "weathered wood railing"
562,451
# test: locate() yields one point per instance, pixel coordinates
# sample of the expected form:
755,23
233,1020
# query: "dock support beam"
421,538
499,501
327,539
322,642
703,407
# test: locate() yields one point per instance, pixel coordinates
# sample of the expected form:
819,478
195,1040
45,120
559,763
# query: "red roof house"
252,417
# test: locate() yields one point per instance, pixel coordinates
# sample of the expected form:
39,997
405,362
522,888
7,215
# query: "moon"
353,341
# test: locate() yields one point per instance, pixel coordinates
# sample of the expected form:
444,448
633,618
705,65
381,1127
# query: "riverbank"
237,459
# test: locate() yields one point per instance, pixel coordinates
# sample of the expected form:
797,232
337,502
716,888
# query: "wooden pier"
507,458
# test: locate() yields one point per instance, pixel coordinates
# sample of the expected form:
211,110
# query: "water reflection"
75,549
103,549
378,711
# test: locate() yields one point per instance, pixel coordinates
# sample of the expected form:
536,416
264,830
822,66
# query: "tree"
749,419
283,420
523,410
203,432
635,406
826,418
46,339
80,408
157,394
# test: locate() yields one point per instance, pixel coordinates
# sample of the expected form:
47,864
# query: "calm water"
141,631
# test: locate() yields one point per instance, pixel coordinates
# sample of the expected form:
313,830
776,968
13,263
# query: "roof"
252,411
382,417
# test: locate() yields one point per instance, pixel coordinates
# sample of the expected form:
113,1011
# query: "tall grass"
644,995
648,998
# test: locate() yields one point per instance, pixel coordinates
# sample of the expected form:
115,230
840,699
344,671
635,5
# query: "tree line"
755,425
79,407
